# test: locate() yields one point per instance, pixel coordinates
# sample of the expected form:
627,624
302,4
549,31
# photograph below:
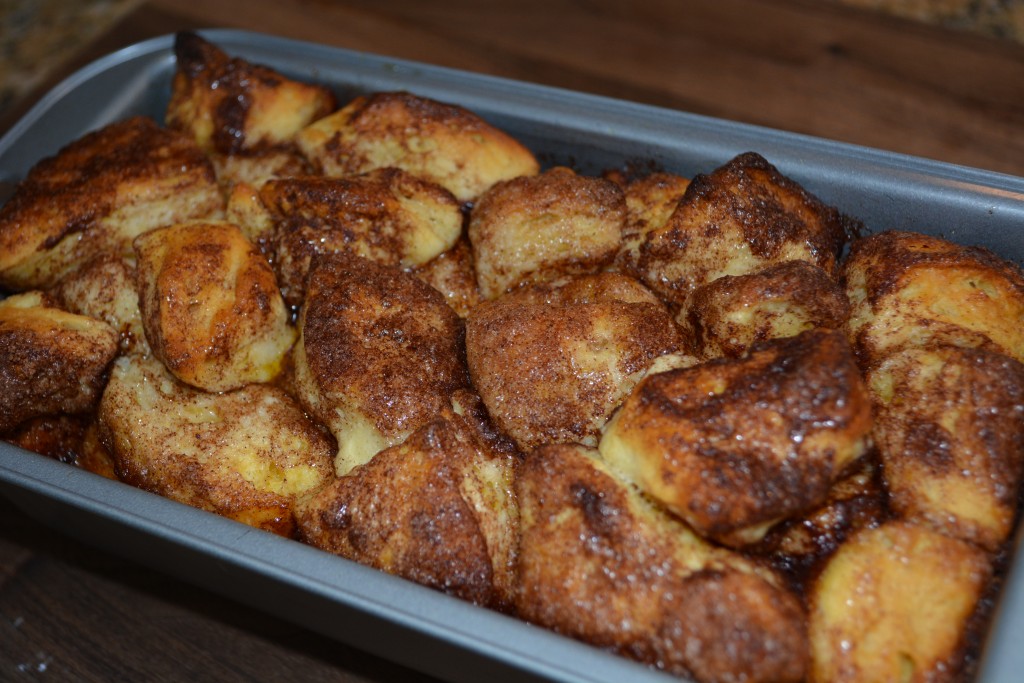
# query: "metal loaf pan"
382,614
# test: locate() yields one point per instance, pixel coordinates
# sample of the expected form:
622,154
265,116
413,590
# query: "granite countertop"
40,35
1001,19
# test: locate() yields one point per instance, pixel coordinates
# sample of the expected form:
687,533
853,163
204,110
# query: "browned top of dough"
214,90
781,300
50,362
886,258
379,333
82,184
736,442
599,563
376,215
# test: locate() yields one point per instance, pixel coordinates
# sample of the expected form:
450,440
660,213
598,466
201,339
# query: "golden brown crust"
730,314
210,305
735,445
650,201
93,455
104,288
51,361
246,210
894,604
96,195
536,228
440,142
386,215
228,104
596,288
244,454
738,219
437,509
453,274
552,362
908,289
800,545
380,354
256,167
599,563
950,430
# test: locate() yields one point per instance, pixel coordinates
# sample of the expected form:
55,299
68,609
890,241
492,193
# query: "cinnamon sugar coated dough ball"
386,215
650,201
538,228
733,446
950,432
736,220
553,361
437,509
728,315
96,195
908,289
51,361
379,355
453,274
600,563
228,104
441,142
246,454
210,305
893,604
104,288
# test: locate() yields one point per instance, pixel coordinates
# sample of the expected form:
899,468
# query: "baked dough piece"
537,228
210,305
801,545
104,288
950,431
438,509
599,563
553,361
51,361
386,215
228,104
243,115
440,142
736,220
246,210
894,604
650,201
245,454
379,354
453,274
735,445
257,167
728,315
908,289
96,195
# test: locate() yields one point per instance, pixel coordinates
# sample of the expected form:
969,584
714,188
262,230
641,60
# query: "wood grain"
70,613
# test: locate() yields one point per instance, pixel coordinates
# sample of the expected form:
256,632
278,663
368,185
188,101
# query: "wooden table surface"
68,612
